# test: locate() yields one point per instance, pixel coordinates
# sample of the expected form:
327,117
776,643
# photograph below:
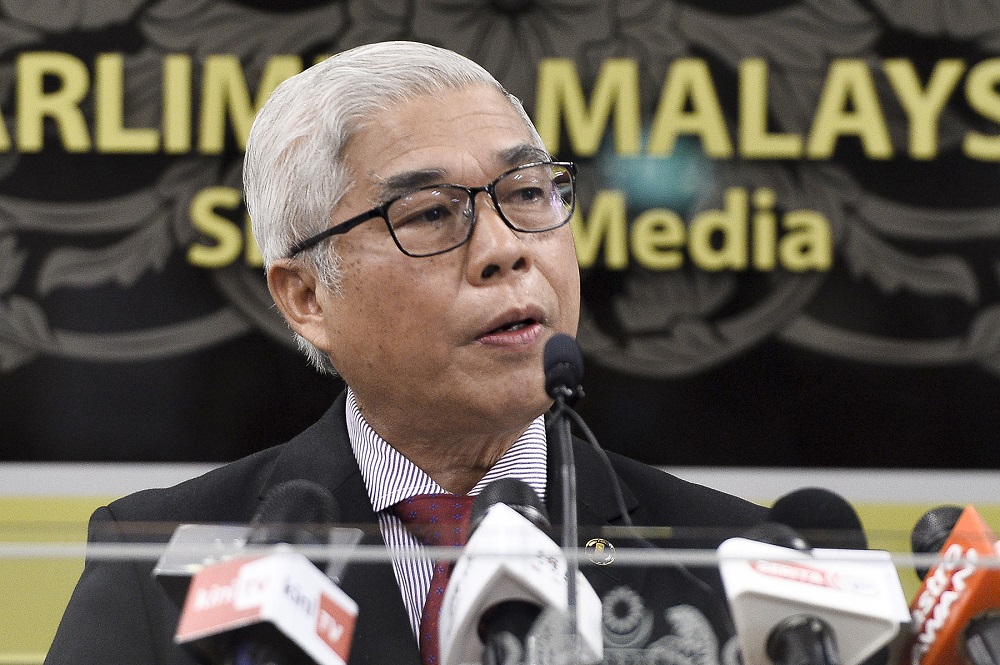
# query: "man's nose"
495,249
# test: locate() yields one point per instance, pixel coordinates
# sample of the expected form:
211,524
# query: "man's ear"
294,289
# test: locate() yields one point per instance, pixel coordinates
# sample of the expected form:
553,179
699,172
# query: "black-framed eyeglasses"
530,198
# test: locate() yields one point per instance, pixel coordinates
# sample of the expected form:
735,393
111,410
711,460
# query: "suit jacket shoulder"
671,501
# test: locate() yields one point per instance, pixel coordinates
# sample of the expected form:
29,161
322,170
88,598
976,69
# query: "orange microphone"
952,616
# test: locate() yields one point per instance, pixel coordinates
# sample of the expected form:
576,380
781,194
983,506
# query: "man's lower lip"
524,336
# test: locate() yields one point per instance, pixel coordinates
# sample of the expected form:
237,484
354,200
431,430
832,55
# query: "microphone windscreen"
515,493
297,512
562,363
824,518
932,531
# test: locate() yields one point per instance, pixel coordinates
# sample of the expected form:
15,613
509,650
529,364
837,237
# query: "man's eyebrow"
404,183
522,154
407,181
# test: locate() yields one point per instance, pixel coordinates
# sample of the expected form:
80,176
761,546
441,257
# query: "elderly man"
416,239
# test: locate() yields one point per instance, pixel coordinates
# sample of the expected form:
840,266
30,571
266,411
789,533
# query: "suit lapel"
323,455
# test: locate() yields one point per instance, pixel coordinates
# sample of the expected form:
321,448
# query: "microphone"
278,607
796,604
562,363
931,532
955,610
823,518
301,512
509,573
194,546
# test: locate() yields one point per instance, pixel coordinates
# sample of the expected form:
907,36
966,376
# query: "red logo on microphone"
797,572
335,626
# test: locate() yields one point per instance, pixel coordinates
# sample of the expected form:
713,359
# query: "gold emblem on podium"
600,551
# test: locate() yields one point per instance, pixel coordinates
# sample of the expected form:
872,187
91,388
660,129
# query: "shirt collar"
390,477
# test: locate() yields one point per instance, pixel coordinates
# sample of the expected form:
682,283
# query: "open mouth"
513,326
517,325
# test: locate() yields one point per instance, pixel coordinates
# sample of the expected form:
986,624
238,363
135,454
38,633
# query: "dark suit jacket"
119,614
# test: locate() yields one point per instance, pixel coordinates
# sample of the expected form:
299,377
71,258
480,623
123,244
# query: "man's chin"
515,410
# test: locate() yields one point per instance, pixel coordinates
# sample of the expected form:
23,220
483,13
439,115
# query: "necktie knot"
437,520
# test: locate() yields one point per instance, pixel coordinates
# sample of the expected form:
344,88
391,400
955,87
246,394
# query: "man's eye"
526,195
433,216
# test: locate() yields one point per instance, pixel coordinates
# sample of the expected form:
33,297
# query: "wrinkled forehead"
433,138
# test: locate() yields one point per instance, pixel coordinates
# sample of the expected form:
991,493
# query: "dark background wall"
121,340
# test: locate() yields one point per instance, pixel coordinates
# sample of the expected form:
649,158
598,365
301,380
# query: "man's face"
456,339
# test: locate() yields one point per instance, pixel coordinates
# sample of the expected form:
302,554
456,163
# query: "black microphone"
297,512
515,493
301,512
275,608
821,517
931,532
562,363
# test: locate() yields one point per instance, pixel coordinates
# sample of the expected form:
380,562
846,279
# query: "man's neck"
454,456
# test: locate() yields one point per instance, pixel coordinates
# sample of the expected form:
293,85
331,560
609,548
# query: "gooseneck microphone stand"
563,365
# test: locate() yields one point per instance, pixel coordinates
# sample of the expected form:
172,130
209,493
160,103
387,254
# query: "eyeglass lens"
532,199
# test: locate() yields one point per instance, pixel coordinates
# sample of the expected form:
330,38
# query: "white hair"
294,173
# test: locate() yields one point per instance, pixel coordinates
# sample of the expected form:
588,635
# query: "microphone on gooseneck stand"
510,574
274,608
956,612
563,366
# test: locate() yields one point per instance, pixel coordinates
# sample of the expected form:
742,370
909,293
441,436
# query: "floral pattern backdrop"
115,344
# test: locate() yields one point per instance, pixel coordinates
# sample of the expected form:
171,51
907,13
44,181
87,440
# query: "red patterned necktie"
437,520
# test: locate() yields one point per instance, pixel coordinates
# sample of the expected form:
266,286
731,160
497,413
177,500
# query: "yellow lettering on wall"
756,142
729,225
606,225
61,105
177,103
808,243
982,95
110,133
560,94
4,136
923,106
657,236
225,95
849,105
227,236
765,230
689,82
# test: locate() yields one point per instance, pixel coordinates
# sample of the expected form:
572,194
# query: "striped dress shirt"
389,478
